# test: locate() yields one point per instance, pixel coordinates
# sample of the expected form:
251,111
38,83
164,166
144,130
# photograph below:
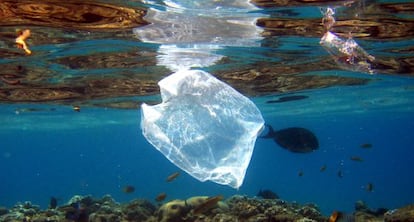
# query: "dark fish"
294,139
323,168
160,197
369,187
337,216
172,176
128,189
267,194
356,158
366,145
287,99
340,174
300,173
25,110
207,205
53,203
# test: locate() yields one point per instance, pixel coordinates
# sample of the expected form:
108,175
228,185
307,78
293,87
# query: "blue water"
55,151
99,151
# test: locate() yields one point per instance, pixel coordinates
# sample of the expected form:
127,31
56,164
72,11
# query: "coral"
310,211
173,211
138,210
236,208
403,214
3,211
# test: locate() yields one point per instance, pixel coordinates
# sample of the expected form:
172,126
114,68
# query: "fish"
172,176
287,99
323,168
340,174
366,145
207,204
369,187
300,173
294,139
128,189
53,203
267,194
76,108
26,110
338,216
356,159
160,197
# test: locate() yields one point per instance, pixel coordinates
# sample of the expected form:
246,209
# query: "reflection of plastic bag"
347,53
203,126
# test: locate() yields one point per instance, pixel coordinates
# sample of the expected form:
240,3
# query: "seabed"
198,208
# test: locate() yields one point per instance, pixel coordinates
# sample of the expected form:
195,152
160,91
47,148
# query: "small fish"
369,187
366,145
53,203
207,205
340,174
172,176
323,168
267,194
160,197
76,108
128,189
287,99
300,173
337,216
356,159
20,40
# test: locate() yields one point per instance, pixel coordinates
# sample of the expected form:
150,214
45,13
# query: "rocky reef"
199,208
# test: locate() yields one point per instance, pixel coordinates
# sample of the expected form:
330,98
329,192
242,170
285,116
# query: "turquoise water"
99,151
54,151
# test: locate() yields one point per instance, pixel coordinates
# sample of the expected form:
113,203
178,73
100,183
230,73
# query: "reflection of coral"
70,14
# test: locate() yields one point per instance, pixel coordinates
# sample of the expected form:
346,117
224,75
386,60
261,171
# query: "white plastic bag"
203,126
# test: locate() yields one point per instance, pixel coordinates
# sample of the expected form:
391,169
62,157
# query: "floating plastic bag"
203,126
347,53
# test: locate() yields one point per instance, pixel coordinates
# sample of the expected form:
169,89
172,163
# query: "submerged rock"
3,211
402,214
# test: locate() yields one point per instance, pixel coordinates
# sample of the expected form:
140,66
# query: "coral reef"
198,208
402,214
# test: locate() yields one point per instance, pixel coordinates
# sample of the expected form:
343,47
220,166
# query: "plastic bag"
347,53
203,126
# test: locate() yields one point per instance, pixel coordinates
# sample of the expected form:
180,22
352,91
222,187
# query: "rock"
3,211
405,214
138,210
173,211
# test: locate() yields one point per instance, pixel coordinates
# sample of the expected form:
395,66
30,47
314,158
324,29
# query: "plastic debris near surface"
192,32
203,126
346,53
